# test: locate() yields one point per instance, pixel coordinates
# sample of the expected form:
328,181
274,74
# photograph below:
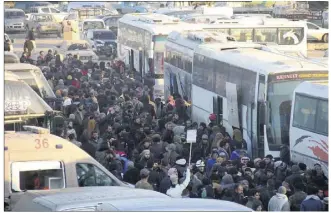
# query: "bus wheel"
325,38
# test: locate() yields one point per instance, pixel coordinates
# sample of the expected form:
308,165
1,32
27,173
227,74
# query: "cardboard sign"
191,136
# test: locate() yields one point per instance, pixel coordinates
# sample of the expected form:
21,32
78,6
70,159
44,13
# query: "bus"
179,49
309,124
141,43
249,87
289,37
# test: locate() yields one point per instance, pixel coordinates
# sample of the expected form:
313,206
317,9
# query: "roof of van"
172,204
20,66
251,56
13,9
80,197
314,88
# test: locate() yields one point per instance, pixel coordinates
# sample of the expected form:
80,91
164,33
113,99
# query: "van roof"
74,198
21,67
178,205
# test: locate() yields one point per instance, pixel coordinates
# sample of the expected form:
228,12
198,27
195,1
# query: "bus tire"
325,38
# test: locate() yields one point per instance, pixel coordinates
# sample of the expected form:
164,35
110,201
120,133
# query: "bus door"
218,109
261,110
131,59
232,105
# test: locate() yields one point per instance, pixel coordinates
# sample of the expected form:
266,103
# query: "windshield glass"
44,18
104,35
279,97
14,14
93,25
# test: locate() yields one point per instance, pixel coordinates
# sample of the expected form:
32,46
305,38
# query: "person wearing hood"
296,175
60,85
312,202
279,202
145,156
227,186
165,182
238,142
176,189
171,154
180,166
298,196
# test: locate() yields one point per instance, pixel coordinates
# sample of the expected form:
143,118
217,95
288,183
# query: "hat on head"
282,190
212,117
181,162
200,163
144,172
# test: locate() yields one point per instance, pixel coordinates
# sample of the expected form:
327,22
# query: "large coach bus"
289,37
141,43
249,87
309,133
178,62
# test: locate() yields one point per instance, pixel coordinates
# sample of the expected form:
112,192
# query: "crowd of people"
114,117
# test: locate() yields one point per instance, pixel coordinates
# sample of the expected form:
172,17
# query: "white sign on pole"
191,136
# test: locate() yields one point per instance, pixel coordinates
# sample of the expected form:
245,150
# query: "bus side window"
322,117
91,175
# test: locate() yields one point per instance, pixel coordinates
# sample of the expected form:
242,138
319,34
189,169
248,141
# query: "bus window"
242,35
37,175
90,175
305,112
322,118
265,35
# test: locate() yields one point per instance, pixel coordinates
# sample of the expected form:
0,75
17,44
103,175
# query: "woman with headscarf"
238,142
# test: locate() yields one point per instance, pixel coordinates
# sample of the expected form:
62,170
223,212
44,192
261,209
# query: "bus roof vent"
36,130
158,19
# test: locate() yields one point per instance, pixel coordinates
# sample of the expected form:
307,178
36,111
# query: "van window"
37,175
45,10
91,175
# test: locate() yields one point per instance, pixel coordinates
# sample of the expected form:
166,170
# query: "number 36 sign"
41,143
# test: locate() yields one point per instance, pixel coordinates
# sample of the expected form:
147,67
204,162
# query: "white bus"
178,62
309,135
249,87
141,43
289,37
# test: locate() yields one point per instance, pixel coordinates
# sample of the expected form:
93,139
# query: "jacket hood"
315,197
227,179
280,196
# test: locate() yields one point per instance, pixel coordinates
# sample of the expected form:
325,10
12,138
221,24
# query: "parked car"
43,24
58,15
103,42
77,47
14,20
317,33
25,5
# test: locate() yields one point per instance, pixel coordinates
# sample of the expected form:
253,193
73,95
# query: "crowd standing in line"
114,117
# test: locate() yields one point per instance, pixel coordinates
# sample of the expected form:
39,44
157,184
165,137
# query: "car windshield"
104,35
93,25
14,14
76,46
44,18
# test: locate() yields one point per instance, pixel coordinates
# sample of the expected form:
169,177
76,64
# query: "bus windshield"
279,97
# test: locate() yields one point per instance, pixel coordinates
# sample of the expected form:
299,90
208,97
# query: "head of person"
245,184
214,155
50,51
318,169
200,165
71,137
146,154
95,135
202,125
282,190
248,172
268,159
312,190
172,171
239,189
204,139
144,173
270,173
41,53
257,205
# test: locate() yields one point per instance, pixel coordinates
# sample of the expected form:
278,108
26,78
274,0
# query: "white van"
38,160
